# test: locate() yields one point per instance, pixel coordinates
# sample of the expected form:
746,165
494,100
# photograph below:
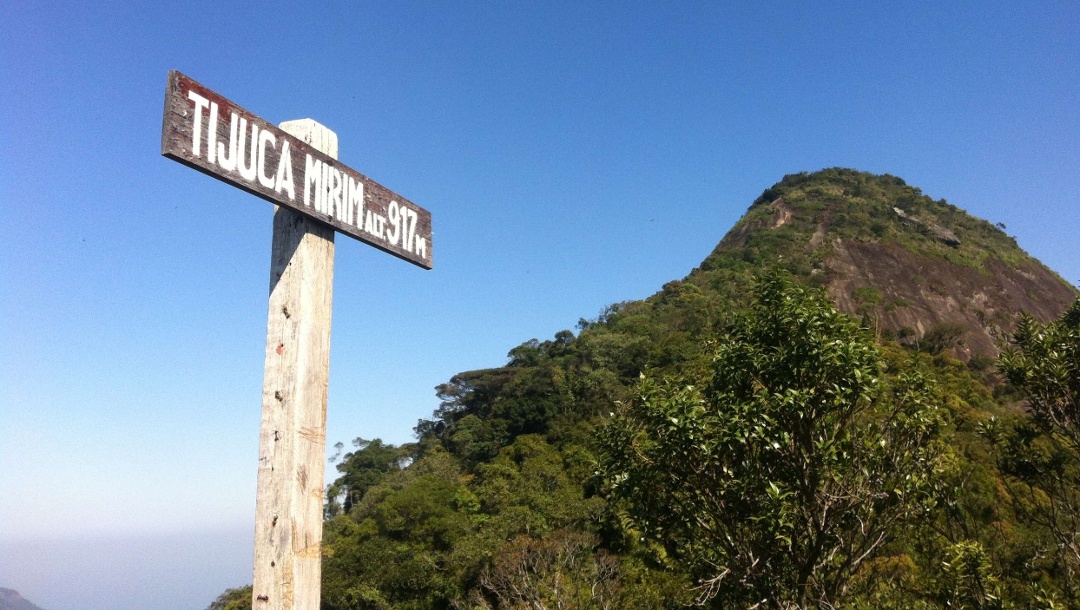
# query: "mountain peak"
921,270
11,600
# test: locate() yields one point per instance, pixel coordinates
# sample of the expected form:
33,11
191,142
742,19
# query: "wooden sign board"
203,130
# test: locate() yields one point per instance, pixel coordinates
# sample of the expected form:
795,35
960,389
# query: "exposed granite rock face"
920,293
780,216
944,235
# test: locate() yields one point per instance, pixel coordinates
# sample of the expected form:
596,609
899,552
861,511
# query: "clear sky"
572,155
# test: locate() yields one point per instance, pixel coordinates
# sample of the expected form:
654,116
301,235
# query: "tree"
360,470
1040,457
559,571
395,548
794,465
1044,362
233,599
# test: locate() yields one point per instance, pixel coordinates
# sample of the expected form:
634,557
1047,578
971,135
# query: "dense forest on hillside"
863,398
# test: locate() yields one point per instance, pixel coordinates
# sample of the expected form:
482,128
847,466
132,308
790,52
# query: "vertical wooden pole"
292,437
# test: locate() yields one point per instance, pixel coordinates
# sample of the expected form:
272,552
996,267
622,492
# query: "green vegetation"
233,599
1039,455
740,447
781,478
861,206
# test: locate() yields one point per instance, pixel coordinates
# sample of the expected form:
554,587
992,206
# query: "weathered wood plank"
292,439
207,132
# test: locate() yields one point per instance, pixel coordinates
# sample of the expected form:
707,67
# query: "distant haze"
165,572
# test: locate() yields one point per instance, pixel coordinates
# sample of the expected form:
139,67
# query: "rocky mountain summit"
11,600
922,271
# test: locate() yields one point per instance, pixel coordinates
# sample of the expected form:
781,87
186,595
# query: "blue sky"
572,155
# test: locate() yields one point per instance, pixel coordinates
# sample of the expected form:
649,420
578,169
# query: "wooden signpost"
294,166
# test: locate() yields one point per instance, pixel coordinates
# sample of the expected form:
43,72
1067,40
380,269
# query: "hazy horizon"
163,571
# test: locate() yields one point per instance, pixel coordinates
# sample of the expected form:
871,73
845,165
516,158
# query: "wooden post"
294,166
292,438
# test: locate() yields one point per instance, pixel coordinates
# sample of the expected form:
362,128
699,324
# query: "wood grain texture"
292,438
190,132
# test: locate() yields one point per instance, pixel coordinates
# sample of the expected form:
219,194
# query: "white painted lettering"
211,134
265,137
344,211
395,222
323,192
409,220
196,125
313,182
380,226
421,247
284,180
355,205
333,203
320,198
247,172
227,160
